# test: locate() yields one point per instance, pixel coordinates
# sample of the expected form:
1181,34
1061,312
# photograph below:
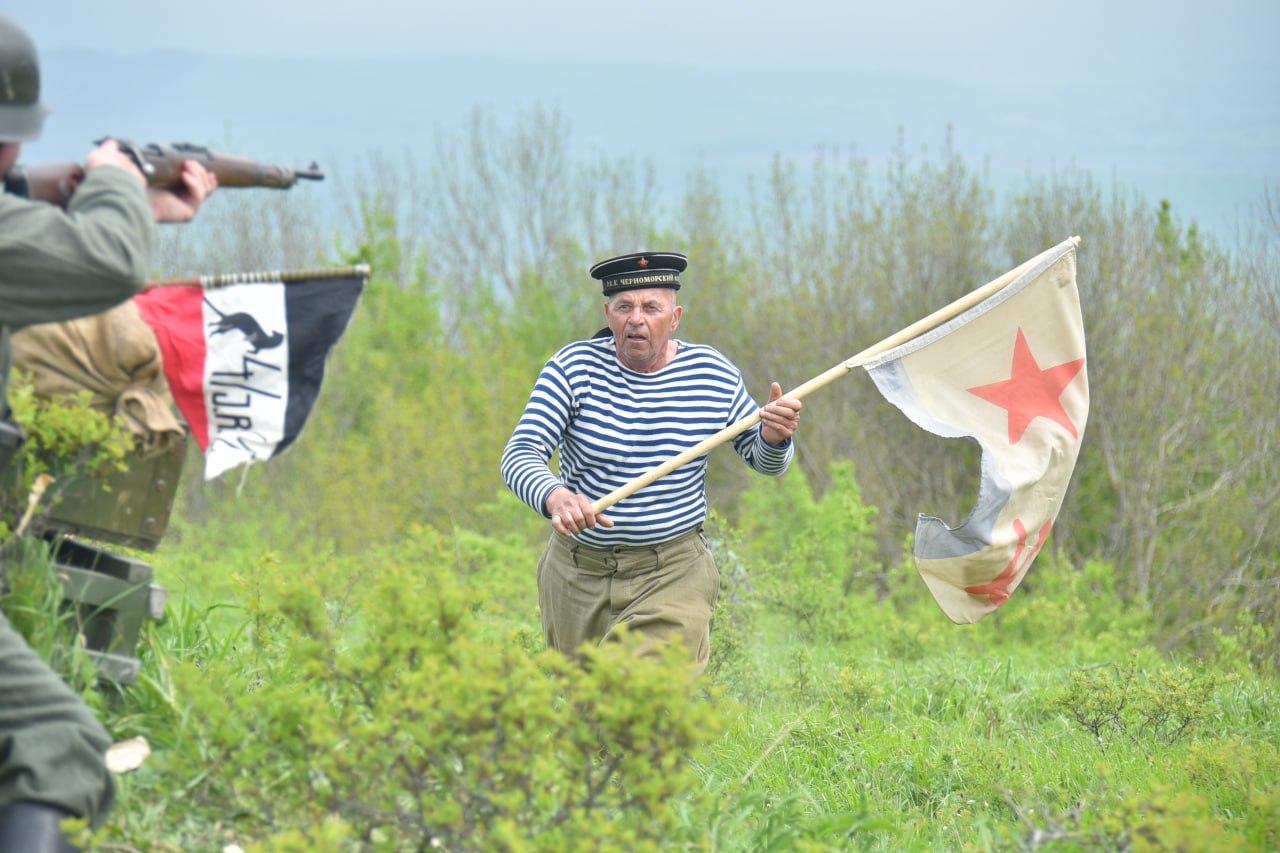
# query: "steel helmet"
21,113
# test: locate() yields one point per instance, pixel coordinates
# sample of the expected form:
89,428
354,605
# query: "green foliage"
782,823
479,275
497,567
33,601
1084,602
1161,706
1249,645
808,553
1185,251
354,652
376,701
735,624
383,708
1233,772
1165,820
1160,819
66,438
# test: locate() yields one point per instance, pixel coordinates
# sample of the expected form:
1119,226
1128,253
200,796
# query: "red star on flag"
1031,392
998,588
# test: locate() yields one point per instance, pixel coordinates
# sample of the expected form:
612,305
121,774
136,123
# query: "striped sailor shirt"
612,424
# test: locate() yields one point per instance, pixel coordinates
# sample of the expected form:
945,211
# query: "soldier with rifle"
58,264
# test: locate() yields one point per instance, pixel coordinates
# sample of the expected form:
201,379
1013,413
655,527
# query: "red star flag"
1010,373
245,354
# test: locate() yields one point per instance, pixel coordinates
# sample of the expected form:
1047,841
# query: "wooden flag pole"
937,318
267,277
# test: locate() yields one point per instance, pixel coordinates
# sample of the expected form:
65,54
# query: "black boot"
33,828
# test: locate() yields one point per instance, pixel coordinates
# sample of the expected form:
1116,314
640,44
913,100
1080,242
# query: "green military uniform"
58,265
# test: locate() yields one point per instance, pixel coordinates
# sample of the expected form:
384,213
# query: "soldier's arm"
58,265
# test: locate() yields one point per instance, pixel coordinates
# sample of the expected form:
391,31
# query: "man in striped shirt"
617,406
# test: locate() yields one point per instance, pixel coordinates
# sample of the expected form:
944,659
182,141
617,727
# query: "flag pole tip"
1076,241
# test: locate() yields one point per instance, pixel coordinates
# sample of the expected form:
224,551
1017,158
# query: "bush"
387,715
810,554
735,625
1163,705
66,438
1233,771
1058,599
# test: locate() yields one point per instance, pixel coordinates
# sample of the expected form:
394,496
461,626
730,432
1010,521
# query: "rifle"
162,166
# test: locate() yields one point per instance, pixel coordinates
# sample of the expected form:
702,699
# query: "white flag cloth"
1010,373
245,362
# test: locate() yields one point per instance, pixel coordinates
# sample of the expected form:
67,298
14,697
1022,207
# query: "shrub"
734,627
1163,705
812,553
399,720
66,438
1059,600
1249,647
1164,820
1145,821
1232,772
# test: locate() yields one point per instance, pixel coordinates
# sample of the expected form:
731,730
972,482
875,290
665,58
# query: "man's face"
642,322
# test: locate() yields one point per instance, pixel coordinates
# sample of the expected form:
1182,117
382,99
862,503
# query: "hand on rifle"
168,204
571,513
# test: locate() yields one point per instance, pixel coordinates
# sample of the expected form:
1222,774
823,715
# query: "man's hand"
178,204
780,418
108,153
571,513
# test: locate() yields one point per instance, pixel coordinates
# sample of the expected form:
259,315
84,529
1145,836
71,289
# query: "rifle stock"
162,165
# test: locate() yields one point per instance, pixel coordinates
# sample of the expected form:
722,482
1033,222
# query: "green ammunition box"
111,596
129,507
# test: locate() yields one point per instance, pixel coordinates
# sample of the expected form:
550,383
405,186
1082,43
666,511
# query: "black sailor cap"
640,271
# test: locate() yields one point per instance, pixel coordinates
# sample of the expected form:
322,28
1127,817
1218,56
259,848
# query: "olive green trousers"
52,748
663,593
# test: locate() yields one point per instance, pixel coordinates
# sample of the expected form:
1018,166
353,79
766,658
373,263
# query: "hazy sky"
1176,97
1085,36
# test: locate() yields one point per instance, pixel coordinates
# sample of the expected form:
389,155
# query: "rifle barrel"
162,167
311,173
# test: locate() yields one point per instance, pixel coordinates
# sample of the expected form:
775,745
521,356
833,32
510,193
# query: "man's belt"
577,546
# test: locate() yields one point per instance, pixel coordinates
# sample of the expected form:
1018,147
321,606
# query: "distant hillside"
1208,160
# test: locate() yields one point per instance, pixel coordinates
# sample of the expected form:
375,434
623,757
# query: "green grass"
899,731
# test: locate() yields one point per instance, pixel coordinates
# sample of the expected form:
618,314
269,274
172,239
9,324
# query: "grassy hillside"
401,700
351,658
